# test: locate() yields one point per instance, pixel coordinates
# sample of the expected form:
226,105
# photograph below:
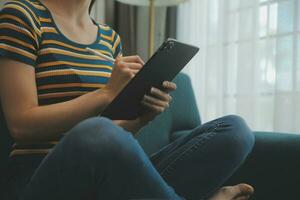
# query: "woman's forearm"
44,123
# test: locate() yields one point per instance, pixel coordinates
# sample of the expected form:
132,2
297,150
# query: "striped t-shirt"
64,70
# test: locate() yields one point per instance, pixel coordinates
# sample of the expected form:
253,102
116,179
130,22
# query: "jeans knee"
97,138
240,139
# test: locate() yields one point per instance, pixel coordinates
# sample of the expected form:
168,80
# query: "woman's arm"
29,122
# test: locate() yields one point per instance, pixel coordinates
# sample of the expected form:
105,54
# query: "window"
249,63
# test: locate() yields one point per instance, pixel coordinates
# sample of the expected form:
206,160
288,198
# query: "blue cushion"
182,115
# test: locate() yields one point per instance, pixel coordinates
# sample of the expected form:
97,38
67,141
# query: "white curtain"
249,62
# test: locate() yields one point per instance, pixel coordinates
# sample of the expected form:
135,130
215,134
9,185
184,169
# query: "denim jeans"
99,160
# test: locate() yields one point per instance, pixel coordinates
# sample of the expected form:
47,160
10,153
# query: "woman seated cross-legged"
53,92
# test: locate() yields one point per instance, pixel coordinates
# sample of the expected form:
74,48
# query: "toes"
245,189
237,192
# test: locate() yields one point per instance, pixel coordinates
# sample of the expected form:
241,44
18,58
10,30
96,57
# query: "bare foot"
237,192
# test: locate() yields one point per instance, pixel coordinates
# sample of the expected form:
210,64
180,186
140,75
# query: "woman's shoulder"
28,5
108,33
24,14
30,9
20,30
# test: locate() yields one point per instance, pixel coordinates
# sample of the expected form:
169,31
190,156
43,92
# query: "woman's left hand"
157,102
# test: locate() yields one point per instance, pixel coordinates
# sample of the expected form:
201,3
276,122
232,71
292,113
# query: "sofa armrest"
273,167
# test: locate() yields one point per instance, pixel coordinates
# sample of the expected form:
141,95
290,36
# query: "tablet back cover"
164,65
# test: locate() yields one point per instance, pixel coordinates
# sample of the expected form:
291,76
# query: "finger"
130,72
136,66
169,86
118,59
154,101
154,108
133,72
135,59
123,64
160,94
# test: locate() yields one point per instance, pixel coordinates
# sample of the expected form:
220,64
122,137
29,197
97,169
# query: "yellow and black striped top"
64,69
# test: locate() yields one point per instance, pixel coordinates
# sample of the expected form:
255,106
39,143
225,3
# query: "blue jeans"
99,160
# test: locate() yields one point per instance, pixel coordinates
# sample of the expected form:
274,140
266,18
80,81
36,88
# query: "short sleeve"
117,45
19,33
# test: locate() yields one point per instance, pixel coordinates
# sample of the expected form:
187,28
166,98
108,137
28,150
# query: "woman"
52,91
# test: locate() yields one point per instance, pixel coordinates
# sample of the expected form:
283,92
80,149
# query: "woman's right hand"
124,70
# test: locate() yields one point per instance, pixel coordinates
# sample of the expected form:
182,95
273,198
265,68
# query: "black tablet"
164,65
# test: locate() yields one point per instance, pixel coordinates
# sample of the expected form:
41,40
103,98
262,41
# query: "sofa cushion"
182,115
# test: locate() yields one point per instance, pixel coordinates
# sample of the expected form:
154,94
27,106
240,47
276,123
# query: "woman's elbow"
20,134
